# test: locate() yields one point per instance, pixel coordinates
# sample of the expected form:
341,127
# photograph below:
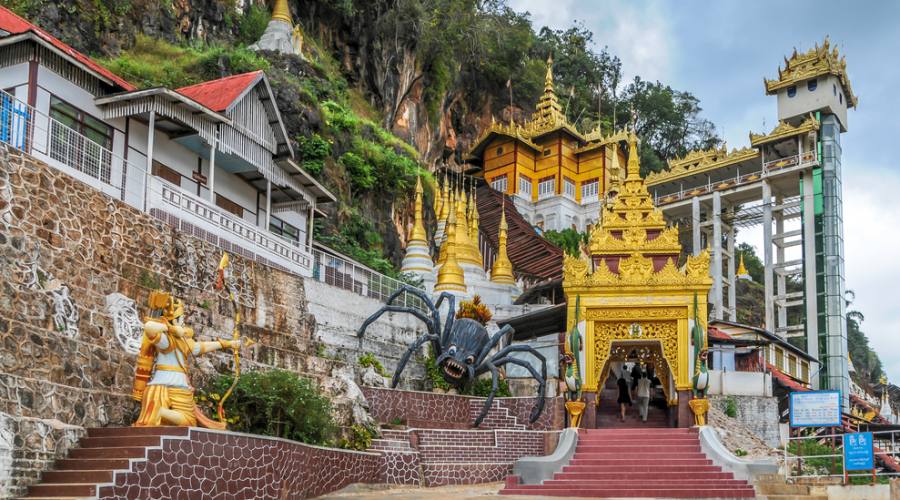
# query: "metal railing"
806,159
24,128
822,455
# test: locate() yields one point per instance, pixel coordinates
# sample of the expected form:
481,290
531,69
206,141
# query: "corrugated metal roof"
530,254
15,25
218,95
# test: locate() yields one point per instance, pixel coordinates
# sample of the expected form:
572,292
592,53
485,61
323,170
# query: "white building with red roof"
213,158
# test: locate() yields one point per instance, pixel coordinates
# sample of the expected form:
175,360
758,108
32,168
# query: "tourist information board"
858,451
816,409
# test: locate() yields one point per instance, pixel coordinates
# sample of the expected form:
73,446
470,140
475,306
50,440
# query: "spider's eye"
470,359
452,350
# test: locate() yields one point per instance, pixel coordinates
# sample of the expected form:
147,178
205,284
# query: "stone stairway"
98,456
637,462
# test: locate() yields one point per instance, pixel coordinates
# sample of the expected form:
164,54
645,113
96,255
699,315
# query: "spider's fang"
454,369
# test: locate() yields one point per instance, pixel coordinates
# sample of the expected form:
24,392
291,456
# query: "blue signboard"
858,454
816,409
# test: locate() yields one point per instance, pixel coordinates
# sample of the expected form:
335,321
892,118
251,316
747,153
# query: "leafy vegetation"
253,23
274,403
731,407
368,359
359,438
569,240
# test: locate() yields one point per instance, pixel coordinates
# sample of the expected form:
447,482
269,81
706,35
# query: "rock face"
76,268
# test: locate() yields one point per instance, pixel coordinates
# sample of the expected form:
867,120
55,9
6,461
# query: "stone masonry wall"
76,268
756,413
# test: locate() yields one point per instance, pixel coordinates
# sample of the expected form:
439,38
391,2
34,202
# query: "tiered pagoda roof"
818,61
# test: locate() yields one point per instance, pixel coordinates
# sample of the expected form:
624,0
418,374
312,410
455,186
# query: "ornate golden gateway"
633,293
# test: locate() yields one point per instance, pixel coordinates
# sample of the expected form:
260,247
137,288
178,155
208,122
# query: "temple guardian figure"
162,382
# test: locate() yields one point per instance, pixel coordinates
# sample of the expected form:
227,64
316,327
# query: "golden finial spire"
464,250
548,79
633,170
450,276
742,270
445,203
473,229
418,231
501,271
548,109
281,12
438,198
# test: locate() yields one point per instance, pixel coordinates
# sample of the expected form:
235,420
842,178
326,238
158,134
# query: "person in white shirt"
643,395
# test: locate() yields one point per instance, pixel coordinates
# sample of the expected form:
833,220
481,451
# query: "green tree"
569,240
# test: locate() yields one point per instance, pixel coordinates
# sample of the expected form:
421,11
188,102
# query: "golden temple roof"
696,162
785,130
818,61
630,233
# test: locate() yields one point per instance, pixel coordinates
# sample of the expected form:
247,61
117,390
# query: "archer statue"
162,377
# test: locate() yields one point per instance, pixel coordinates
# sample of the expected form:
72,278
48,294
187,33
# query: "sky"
720,51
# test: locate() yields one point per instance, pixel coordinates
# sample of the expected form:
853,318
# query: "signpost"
858,453
816,409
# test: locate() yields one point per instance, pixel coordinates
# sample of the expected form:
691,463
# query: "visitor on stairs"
624,394
643,395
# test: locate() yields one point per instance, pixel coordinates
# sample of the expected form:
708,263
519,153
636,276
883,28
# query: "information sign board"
858,451
816,409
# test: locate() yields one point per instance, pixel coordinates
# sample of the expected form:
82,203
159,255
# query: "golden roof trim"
696,162
817,61
785,130
637,271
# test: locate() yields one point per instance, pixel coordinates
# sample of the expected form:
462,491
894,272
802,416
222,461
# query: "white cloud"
557,14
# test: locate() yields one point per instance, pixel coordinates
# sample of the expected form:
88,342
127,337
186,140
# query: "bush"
368,359
253,24
313,152
731,407
360,438
567,239
275,403
361,174
482,387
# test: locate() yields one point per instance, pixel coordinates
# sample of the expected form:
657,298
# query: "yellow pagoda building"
558,175
635,298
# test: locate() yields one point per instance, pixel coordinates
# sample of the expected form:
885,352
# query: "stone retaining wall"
759,414
76,268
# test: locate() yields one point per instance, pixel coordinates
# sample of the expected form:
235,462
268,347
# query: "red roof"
785,380
716,334
217,95
15,25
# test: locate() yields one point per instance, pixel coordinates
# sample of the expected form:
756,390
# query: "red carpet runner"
637,462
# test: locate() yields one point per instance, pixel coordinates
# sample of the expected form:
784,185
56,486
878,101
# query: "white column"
768,278
732,288
149,170
718,302
312,214
268,203
695,224
809,267
780,280
212,167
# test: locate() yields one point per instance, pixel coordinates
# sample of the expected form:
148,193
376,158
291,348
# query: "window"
804,371
792,365
500,151
841,98
792,91
590,190
779,359
524,185
88,148
229,206
164,172
284,229
546,187
499,183
547,152
569,186
812,84
834,89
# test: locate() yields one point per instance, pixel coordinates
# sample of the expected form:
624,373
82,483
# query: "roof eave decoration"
785,130
818,61
510,130
696,162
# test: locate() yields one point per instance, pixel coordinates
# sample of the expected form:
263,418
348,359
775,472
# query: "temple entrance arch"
647,353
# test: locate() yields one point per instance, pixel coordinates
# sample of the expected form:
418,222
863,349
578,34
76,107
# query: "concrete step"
589,475
666,492
637,461
792,497
648,483
92,463
62,490
77,476
648,468
119,441
665,441
137,431
640,450
772,488
110,452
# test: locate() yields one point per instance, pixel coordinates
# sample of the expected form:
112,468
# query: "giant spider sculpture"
463,348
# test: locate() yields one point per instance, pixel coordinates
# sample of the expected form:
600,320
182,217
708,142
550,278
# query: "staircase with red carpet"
637,462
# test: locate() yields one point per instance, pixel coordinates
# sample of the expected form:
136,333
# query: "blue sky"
721,51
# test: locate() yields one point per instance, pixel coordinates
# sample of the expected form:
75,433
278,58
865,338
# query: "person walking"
624,394
643,396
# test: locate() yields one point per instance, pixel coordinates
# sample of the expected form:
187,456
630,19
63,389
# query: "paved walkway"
460,492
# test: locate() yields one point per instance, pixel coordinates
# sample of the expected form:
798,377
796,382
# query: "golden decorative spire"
281,12
438,199
450,276
742,270
473,229
548,111
633,170
418,231
445,203
548,79
465,251
501,271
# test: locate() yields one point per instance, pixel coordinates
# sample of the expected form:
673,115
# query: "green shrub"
361,173
274,403
340,117
567,239
482,387
731,407
360,438
368,359
434,372
313,152
740,453
252,24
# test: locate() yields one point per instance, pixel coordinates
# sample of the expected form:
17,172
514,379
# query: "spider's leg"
413,348
497,337
542,384
495,377
451,313
435,317
415,312
524,348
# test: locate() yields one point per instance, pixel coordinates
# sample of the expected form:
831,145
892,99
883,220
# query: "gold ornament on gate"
699,407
